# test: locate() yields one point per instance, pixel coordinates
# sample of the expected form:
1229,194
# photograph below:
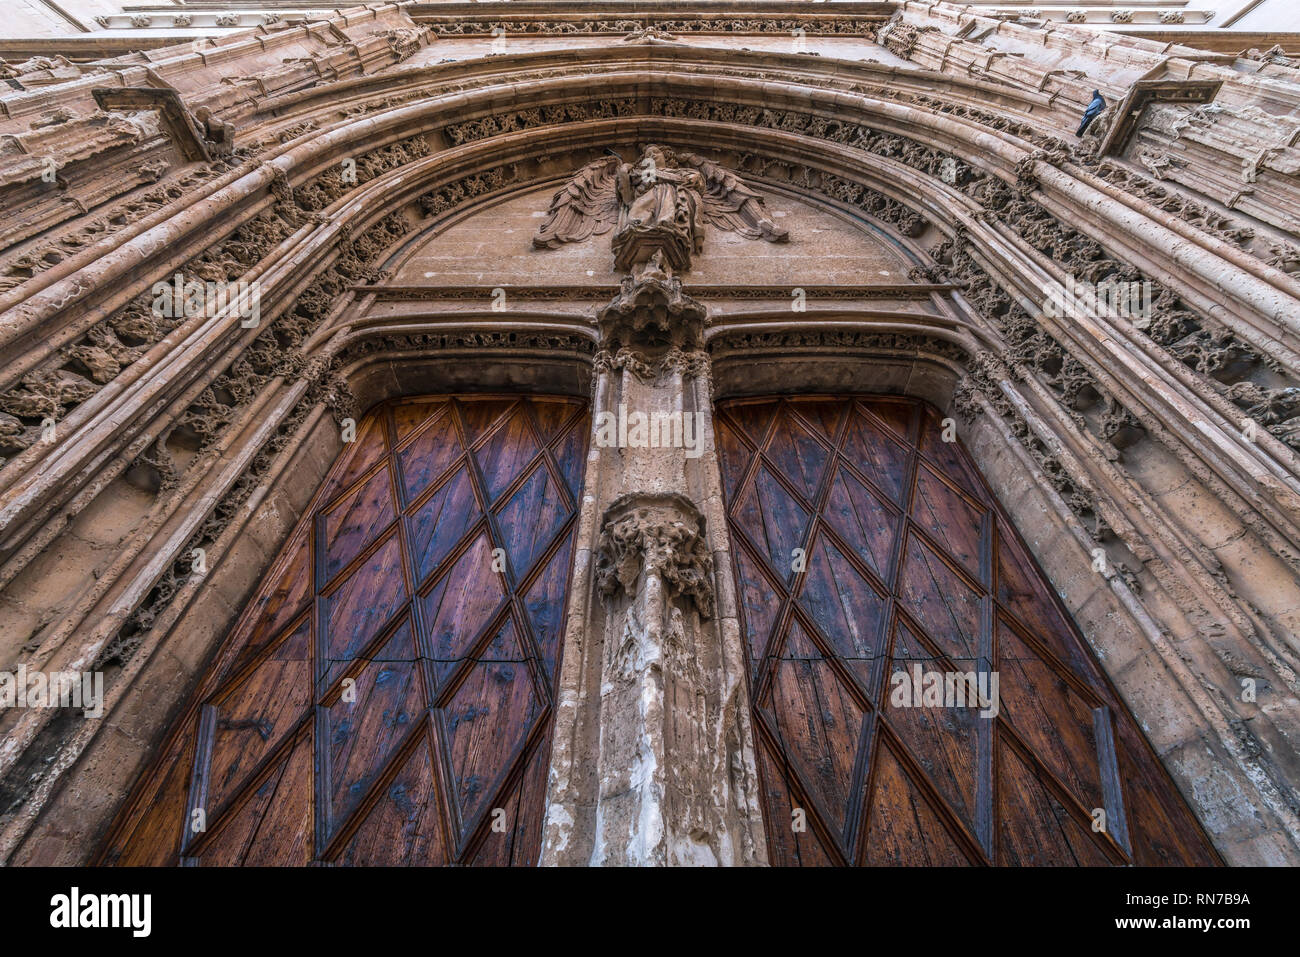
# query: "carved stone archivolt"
660,535
1092,432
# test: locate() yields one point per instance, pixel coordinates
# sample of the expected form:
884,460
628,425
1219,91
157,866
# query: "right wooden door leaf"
920,696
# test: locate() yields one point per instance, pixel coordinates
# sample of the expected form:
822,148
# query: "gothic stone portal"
387,696
869,553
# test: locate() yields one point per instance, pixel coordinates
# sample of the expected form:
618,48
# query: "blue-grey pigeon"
1096,106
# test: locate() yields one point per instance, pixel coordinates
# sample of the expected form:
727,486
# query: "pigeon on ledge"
1096,106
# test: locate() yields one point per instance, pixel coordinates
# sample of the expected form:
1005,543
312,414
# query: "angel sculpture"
660,204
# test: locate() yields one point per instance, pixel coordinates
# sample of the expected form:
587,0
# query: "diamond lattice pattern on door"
387,696
868,548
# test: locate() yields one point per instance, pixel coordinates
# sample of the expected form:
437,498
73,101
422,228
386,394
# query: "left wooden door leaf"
387,696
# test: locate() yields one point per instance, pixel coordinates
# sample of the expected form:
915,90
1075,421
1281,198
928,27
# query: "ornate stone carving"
907,220
659,205
448,197
980,386
404,42
901,37
1166,197
1274,54
652,315
674,360
671,780
1199,341
1081,256
587,205
114,344
650,34
661,535
863,26
729,344
328,187
1285,257
76,370
460,133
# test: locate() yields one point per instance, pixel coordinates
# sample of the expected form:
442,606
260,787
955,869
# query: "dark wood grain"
386,697
911,562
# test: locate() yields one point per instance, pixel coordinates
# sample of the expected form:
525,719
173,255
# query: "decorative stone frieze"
862,26
468,131
738,344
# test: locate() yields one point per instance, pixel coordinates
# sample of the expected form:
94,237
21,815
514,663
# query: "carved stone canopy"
652,315
199,138
658,534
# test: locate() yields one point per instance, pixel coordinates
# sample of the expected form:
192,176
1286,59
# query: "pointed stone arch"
319,247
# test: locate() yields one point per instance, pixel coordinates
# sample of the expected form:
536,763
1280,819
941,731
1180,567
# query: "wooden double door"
387,697
870,554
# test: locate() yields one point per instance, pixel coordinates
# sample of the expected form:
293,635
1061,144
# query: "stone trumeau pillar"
653,760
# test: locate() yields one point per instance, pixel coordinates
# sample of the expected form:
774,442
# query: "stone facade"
376,176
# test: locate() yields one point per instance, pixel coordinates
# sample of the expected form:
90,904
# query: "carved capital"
674,360
658,534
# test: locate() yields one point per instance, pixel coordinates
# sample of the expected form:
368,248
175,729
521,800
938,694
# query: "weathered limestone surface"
942,139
